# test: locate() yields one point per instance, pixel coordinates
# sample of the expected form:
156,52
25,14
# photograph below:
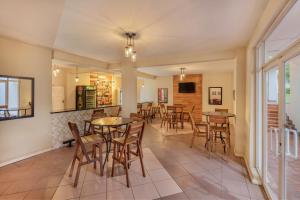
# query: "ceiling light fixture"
129,51
182,74
55,70
76,78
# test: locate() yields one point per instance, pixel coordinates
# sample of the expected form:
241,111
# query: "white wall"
218,79
22,137
150,90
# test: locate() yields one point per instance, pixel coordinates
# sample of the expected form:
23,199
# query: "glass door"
292,127
271,131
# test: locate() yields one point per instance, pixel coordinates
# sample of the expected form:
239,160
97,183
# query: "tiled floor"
174,171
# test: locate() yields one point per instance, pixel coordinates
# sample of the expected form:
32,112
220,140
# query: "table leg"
107,140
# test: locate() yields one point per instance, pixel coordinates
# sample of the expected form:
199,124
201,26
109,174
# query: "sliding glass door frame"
278,62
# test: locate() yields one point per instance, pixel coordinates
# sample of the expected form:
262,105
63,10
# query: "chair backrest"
75,132
193,108
139,106
192,121
171,108
177,104
179,109
98,115
136,117
135,129
149,106
217,119
119,111
98,111
162,109
223,110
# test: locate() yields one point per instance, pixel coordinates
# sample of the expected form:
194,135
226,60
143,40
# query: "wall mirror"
16,97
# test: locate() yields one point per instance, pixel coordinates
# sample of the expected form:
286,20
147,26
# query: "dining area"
107,137
214,127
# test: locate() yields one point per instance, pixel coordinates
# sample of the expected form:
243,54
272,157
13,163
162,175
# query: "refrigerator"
85,97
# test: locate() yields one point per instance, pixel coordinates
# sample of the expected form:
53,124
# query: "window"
9,92
2,93
287,83
272,81
286,33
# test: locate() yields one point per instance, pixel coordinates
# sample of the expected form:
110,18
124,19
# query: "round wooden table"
110,122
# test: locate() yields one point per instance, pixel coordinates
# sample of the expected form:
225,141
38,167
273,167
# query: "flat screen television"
187,87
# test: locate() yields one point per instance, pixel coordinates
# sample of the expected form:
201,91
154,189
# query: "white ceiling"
93,28
192,68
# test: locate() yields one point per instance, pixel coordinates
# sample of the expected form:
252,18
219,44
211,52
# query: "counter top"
73,110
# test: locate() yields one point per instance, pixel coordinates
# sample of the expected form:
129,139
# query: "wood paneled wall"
189,99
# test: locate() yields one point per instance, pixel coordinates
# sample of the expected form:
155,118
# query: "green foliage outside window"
287,83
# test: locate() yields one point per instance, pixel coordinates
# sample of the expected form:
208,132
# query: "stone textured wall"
59,123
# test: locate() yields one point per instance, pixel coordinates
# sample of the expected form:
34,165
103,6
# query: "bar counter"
59,122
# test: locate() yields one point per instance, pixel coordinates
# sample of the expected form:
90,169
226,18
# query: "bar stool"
81,151
122,148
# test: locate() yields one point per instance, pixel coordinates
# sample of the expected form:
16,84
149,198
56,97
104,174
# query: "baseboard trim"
253,174
25,157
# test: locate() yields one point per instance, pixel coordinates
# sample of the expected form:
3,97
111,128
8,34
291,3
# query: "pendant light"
182,74
129,51
76,78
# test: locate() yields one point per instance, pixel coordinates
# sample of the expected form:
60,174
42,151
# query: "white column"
239,107
129,89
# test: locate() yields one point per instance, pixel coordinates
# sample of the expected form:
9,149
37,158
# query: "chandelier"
129,50
182,74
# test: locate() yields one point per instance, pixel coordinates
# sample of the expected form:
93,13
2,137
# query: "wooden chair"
186,116
6,113
171,117
81,151
200,129
225,110
136,117
139,108
163,115
88,128
148,113
117,113
217,130
122,148
179,117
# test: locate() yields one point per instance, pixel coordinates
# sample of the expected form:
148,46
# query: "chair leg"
77,173
74,160
192,142
94,155
126,169
162,121
100,159
113,161
128,155
141,159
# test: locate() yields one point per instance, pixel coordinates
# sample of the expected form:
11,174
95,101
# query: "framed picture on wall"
162,95
215,95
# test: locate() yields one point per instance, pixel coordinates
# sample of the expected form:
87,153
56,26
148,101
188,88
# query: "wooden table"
110,122
219,114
